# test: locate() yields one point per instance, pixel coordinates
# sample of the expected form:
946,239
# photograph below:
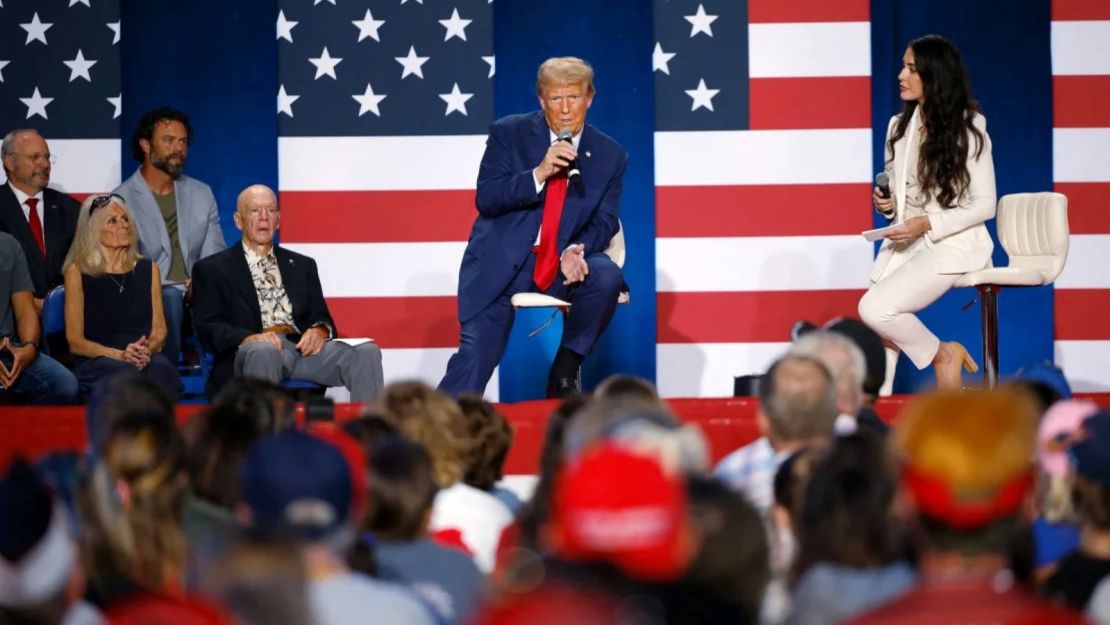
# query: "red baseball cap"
619,506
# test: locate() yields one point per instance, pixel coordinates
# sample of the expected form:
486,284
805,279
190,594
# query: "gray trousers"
359,369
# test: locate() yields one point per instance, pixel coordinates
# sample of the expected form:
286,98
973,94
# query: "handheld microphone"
883,182
573,173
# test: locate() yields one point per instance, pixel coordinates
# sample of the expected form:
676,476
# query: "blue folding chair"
54,322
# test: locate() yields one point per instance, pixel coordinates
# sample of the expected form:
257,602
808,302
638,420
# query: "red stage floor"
727,423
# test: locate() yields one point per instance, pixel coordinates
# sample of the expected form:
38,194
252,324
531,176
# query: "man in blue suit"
538,231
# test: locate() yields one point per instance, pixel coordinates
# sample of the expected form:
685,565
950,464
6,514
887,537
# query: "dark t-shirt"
1076,578
14,277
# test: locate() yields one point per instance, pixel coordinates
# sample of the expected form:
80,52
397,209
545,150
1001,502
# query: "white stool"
1033,229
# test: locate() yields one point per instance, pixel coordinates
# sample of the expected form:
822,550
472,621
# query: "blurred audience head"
432,419
967,471
645,426
534,513
1058,430
40,576
131,504
797,402
624,508
869,343
732,560
1091,478
369,429
845,362
621,386
307,486
403,488
490,437
244,412
125,396
261,583
847,513
1045,380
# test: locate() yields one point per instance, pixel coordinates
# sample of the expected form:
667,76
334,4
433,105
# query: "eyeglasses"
34,158
101,201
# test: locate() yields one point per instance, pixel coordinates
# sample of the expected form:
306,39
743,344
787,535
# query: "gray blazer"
198,221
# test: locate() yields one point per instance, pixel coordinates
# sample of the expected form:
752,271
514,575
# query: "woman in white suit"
938,158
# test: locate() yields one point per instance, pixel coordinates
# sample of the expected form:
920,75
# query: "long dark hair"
948,110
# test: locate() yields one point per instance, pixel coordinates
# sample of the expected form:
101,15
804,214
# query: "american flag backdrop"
1081,170
383,109
762,168
762,179
60,74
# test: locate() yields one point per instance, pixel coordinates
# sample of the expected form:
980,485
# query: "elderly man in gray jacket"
175,215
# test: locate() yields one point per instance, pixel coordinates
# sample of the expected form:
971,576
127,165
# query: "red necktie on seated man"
547,256
36,224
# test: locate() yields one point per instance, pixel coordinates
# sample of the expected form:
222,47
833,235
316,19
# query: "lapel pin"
588,154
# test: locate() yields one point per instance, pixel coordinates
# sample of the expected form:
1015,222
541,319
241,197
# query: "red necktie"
36,224
547,258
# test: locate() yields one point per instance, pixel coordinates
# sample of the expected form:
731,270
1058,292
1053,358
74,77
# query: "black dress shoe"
562,388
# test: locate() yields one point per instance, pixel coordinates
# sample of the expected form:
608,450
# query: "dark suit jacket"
59,223
510,210
225,304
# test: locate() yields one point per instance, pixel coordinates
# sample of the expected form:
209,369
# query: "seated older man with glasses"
260,311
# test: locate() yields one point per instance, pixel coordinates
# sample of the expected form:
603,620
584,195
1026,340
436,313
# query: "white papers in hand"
879,233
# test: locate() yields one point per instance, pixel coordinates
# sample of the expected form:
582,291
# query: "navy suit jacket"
59,223
510,210
225,303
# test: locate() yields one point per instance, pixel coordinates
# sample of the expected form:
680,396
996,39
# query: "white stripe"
379,163
1081,154
809,49
708,369
1086,364
385,269
424,364
762,263
1086,264
84,165
763,157
1081,48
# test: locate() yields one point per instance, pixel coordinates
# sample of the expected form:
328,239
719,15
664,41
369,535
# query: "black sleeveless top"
117,306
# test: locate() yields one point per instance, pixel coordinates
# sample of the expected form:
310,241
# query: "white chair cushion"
536,300
1005,276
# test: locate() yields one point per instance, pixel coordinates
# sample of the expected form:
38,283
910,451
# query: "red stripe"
1081,314
1080,10
762,210
747,316
770,11
376,216
1080,101
1088,206
398,321
812,102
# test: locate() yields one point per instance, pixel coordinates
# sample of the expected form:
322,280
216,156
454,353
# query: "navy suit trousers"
483,337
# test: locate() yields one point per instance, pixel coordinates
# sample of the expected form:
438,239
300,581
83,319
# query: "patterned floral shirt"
273,301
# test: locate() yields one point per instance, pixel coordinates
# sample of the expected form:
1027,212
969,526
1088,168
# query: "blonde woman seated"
113,310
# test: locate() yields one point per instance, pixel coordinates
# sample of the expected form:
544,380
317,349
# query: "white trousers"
905,288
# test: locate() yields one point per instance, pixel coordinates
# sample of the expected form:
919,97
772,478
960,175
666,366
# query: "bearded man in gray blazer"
175,215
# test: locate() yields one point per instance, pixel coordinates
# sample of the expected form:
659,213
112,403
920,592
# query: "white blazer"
957,238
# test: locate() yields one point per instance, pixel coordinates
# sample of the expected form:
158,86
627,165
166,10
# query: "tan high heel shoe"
956,361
